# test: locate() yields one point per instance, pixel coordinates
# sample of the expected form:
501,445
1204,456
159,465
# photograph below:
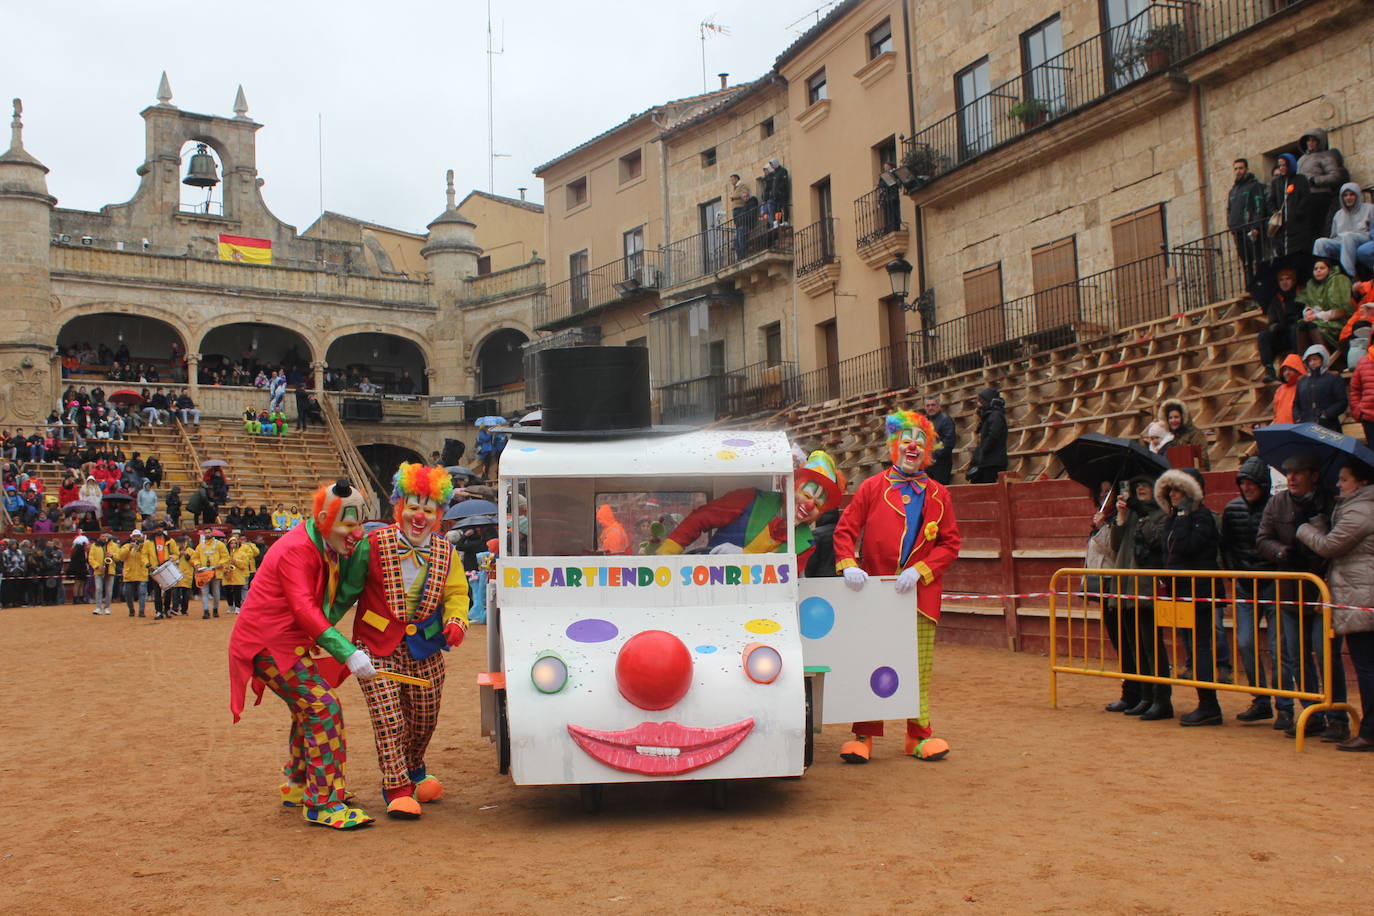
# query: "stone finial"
240,105
164,91
452,194
17,127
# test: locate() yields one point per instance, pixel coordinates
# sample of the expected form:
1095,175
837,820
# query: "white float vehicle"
645,668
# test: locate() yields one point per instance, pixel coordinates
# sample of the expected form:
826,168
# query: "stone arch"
257,343
277,318
387,351
196,200
498,362
67,313
416,337
383,456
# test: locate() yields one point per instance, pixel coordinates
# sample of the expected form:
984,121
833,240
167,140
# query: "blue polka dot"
883,682
706,650
529,448
817,618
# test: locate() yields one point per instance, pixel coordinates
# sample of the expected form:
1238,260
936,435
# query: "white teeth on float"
649,751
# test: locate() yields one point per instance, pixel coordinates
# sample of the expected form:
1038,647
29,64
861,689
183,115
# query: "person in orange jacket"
613,540
1362,395
908,529
1291,370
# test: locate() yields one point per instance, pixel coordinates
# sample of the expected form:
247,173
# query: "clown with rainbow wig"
414,603
905,523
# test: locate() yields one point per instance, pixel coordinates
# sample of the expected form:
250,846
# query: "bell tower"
26,360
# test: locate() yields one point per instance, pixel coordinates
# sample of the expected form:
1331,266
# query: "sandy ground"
128,790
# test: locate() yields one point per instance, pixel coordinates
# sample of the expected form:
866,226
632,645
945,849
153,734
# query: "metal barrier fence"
1129,610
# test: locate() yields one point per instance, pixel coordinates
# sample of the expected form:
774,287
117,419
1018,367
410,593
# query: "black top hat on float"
593,393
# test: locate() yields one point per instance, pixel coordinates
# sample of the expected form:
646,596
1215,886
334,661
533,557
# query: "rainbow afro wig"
422,482
898,421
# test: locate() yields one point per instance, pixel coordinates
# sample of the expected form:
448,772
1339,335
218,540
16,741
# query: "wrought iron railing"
718,249
624,278
878,213
883,369
1160,36
1220,266
815,246
753,389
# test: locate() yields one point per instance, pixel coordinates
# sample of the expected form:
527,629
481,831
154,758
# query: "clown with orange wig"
901,523
414,603
298,595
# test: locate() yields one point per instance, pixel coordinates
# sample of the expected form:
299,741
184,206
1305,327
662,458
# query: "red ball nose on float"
653,669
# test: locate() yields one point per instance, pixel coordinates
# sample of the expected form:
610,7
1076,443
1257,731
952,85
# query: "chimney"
723,78
522,192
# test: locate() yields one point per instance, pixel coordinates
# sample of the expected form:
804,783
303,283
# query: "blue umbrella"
1281,441
489,421
470,507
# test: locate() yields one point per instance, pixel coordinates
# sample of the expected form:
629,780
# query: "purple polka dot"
738,443
883,682
592,630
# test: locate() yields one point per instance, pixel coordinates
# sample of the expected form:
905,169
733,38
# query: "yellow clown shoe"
292,794
338,815
926,748
858,750
429,790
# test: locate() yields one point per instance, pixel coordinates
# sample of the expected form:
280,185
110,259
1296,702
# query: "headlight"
549,673
762,664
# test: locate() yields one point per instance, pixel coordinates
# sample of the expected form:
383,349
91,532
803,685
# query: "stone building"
149,274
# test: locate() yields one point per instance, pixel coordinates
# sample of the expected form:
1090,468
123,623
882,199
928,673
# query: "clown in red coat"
901,522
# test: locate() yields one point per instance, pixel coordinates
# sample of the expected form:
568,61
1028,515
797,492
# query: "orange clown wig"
897,422
420,482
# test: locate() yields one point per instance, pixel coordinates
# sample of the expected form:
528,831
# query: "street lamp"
899,275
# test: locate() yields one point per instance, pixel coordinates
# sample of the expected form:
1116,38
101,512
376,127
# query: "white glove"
727,548
855,577
361,666
907,580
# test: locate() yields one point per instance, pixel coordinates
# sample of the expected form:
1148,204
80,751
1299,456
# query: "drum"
203,575
167,575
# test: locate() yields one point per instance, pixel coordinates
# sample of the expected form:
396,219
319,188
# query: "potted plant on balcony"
1156,49
1030,111
923,161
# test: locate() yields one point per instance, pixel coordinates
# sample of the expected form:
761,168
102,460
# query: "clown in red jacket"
414,603
901,522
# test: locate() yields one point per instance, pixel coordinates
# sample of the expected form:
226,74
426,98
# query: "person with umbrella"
1137,538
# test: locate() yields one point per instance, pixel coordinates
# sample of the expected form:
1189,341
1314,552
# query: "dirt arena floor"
128,790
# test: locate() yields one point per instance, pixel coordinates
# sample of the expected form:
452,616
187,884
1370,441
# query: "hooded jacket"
1362,390
991,451
1240,521
1329,298
1292,196
1245,202
613,539
1137,539
1357,219
1287,392
1320,397
1189,539
1349,544
1325,167
1187,433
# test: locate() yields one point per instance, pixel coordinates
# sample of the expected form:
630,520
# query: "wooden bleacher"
267,470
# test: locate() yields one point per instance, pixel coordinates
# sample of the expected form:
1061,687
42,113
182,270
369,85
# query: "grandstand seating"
267,470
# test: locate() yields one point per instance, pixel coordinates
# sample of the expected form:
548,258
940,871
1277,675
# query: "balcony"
748,252
1150,44
884,369
817,264
754,389
622,281
505,284
878,219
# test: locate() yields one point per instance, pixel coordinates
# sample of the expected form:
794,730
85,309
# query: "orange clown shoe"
403,807
858,750
926,748
429,790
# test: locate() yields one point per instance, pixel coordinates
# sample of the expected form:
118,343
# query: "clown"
751,521
297,597
414,603
901,523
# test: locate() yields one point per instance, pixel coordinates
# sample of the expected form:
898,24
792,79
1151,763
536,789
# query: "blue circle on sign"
529,448
817,618
706,650
883,682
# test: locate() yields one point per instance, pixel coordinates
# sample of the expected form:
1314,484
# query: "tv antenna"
819,12
492,154
708,27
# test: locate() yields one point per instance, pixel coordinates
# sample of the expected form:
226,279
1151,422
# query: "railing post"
1006,544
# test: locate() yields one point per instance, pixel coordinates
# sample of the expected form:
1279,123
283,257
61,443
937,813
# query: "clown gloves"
453,634
855,577
361,665
726,548
907,580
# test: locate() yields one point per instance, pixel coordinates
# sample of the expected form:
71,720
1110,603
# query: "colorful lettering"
510,577
527,577
700,575
541,576
770,575
783,569
556,580
574,577
664,576
734,575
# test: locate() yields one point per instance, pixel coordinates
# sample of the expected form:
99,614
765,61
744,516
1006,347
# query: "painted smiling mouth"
661,748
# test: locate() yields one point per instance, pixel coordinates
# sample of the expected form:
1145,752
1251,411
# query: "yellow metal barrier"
1152,601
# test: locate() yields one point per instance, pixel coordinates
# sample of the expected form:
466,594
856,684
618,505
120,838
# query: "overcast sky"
401,86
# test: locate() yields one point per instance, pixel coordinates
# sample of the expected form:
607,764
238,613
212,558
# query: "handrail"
186,441
714,250
643,272
877,213
815,246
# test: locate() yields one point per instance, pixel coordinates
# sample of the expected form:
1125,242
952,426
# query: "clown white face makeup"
348,527
909,451
419,518
810,499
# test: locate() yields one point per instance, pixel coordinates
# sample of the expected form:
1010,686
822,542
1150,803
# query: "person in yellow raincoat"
281,519
211,557
134,558
242,557
180,599
103,555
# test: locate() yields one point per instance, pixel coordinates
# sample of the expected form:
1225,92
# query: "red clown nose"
653,669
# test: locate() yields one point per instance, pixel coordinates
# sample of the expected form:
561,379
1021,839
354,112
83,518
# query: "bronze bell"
201,173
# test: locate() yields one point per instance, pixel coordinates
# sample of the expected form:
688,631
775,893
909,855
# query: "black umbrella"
470,507
1331,449
458,470
1092,458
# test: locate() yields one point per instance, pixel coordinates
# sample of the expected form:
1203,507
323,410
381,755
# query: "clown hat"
820,468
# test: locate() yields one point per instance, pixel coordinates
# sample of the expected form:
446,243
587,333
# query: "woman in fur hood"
1174,415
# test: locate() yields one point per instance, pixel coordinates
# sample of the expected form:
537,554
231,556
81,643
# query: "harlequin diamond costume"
907,526
752,521
414,603
298,595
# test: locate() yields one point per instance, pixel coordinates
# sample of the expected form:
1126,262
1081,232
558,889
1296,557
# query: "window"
1054,274
1044,72
708,157
772,344
1126,23
880,39
971,86
483,265
982,294
634,252
577,192
577,273
766,129
815,88
820,199
711,215
1139,242
631,166
884,156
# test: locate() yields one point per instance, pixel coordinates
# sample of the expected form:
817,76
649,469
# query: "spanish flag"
244,250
